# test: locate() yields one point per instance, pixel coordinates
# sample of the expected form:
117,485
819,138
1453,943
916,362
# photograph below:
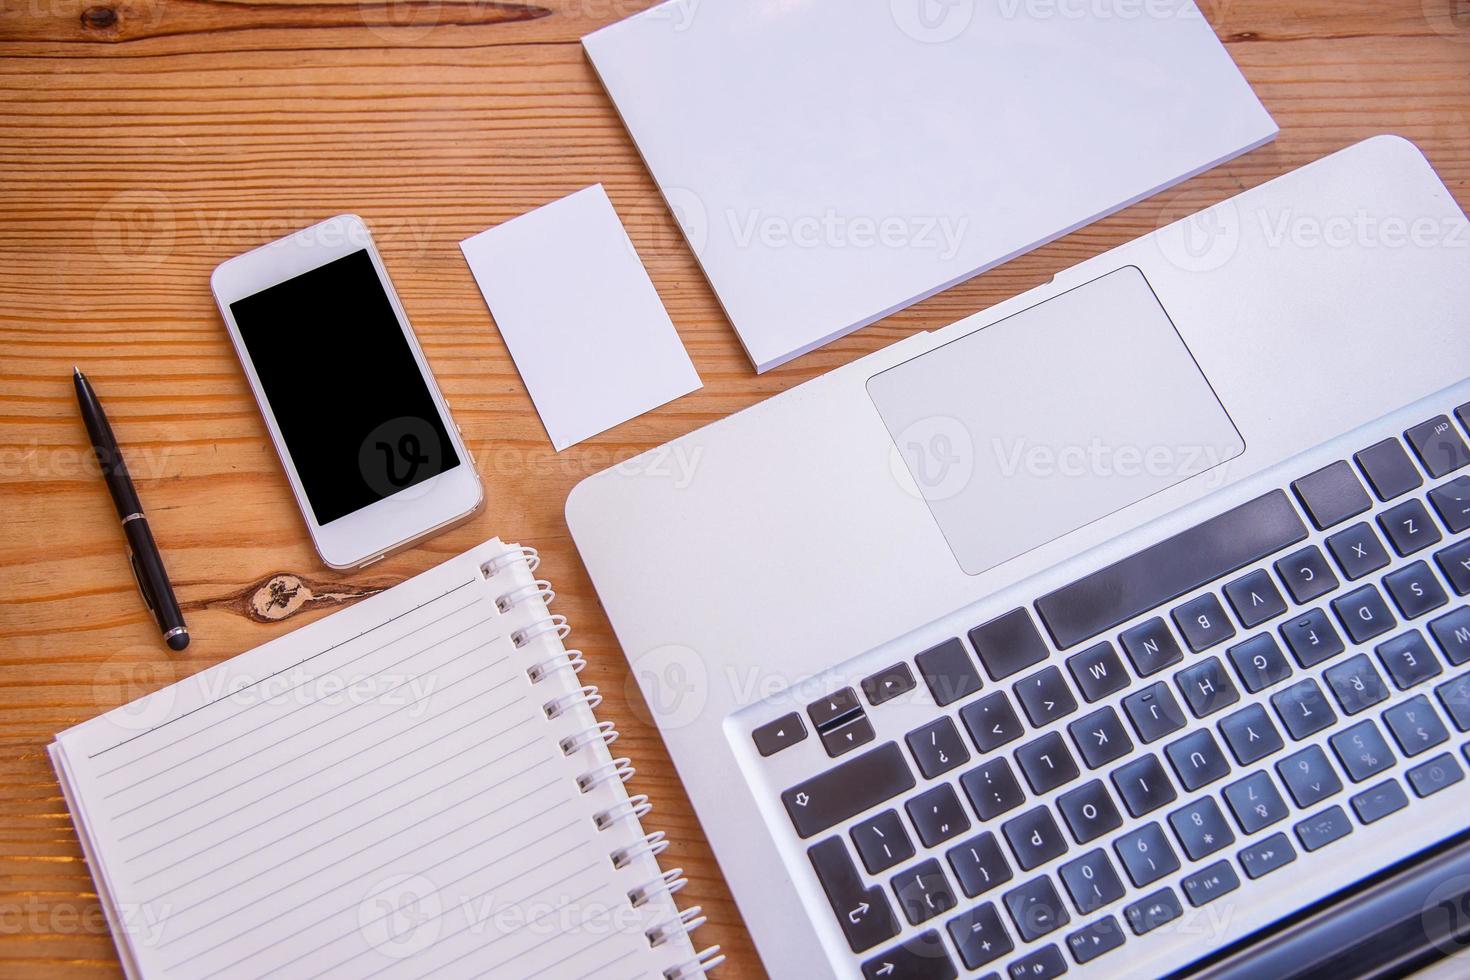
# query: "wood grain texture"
144,141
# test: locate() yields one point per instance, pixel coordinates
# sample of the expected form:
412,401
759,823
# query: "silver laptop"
1118,629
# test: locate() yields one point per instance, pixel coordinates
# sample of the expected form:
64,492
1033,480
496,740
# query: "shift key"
846,790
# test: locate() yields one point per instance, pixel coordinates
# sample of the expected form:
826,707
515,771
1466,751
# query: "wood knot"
282,595
99,18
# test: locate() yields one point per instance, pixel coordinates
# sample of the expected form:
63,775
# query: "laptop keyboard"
1221,705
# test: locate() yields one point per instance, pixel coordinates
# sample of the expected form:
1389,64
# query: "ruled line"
232,740
355,803
520,698
605,965
368,724
353,639
339,836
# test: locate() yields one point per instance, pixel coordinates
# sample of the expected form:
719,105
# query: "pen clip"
138,577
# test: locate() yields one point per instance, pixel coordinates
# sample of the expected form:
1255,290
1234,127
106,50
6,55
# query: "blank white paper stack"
832,161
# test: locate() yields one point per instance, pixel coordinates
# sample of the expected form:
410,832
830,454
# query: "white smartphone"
372,453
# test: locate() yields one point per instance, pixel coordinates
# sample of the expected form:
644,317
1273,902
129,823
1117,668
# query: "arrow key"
888,683
980,936
921,958
782,733
836,708
849,736
1095,939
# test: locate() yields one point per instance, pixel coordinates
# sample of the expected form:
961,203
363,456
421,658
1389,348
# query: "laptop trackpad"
1054,417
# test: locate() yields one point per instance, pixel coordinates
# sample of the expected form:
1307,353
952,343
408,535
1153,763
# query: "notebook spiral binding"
621,769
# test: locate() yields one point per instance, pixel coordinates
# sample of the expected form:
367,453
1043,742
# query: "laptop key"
1452,633
1259,662
1255,598
1409,528
1308,776
992,722
1094,939
1266,856
1044,964
1438,445
992,789
1303,709
979,936
1389,469
1008,644
1146,854
1143,785
1100,737
921,958
848,736
1455,696
1091,881
937,815
847,789
1197,759
1206,687
1415,726
1046,763
1408,659
1089,811
1045,697
1098,671
1255,802
1207,884
1438,773
1306,574
1174,567
1036,908
1362,751
1356,684
1250,734
1154,712
882,842
1377,802
1312,638
1363,614
1321,829
948,671
1415,590
863,912
1202,622
888,684
1331,495
834,710
1151,646
1152,911
979,864
1201,828
937,747
1357,550
1034,837
923,892
1454,561
1452,501
782,733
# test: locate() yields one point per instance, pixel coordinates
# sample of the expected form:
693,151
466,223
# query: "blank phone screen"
354,410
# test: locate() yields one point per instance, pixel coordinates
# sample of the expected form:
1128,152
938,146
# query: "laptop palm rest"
1052,418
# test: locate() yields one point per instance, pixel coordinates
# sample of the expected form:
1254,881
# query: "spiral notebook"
415,786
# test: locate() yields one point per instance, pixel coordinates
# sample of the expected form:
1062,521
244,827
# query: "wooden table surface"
144,141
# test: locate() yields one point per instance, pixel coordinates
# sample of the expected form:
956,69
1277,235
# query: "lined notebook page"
379,794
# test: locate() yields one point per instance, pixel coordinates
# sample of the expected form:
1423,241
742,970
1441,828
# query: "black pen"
142,552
